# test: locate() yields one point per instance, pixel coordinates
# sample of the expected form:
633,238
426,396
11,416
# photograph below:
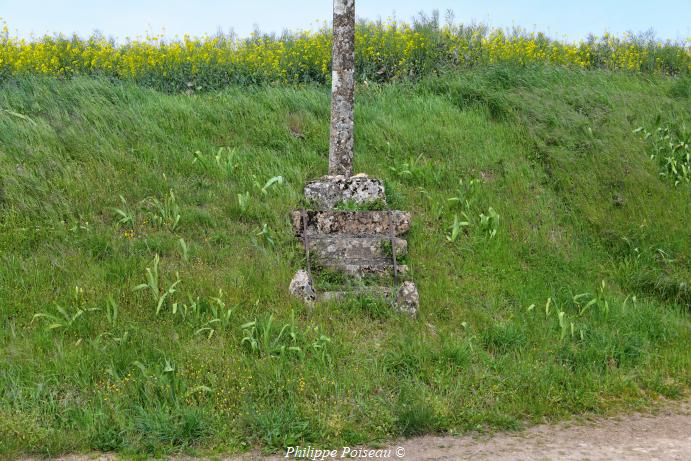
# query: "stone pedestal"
359,244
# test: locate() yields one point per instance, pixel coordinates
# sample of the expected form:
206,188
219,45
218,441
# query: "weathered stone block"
301,286
408,298
362,268
343,249
329,191
351,223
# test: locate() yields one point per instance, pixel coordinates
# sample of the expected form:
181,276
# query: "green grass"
516,325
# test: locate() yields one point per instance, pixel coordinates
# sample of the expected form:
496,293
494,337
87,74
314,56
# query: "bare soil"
665,435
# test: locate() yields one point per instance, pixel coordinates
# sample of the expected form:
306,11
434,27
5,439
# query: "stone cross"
352,242
342,89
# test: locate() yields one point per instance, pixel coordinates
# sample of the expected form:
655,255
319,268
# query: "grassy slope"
579,202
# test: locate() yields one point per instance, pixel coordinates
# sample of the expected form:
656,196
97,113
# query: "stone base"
327,192
363,268
350,223
360,244
376,250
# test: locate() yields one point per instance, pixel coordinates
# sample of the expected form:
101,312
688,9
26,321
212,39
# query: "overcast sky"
671,19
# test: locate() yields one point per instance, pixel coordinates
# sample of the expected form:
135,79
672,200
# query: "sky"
572,20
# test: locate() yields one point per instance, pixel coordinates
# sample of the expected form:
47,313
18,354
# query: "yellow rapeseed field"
385,51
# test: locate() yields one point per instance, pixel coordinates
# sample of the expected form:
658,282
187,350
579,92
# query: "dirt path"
635,437
664,436
632,437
